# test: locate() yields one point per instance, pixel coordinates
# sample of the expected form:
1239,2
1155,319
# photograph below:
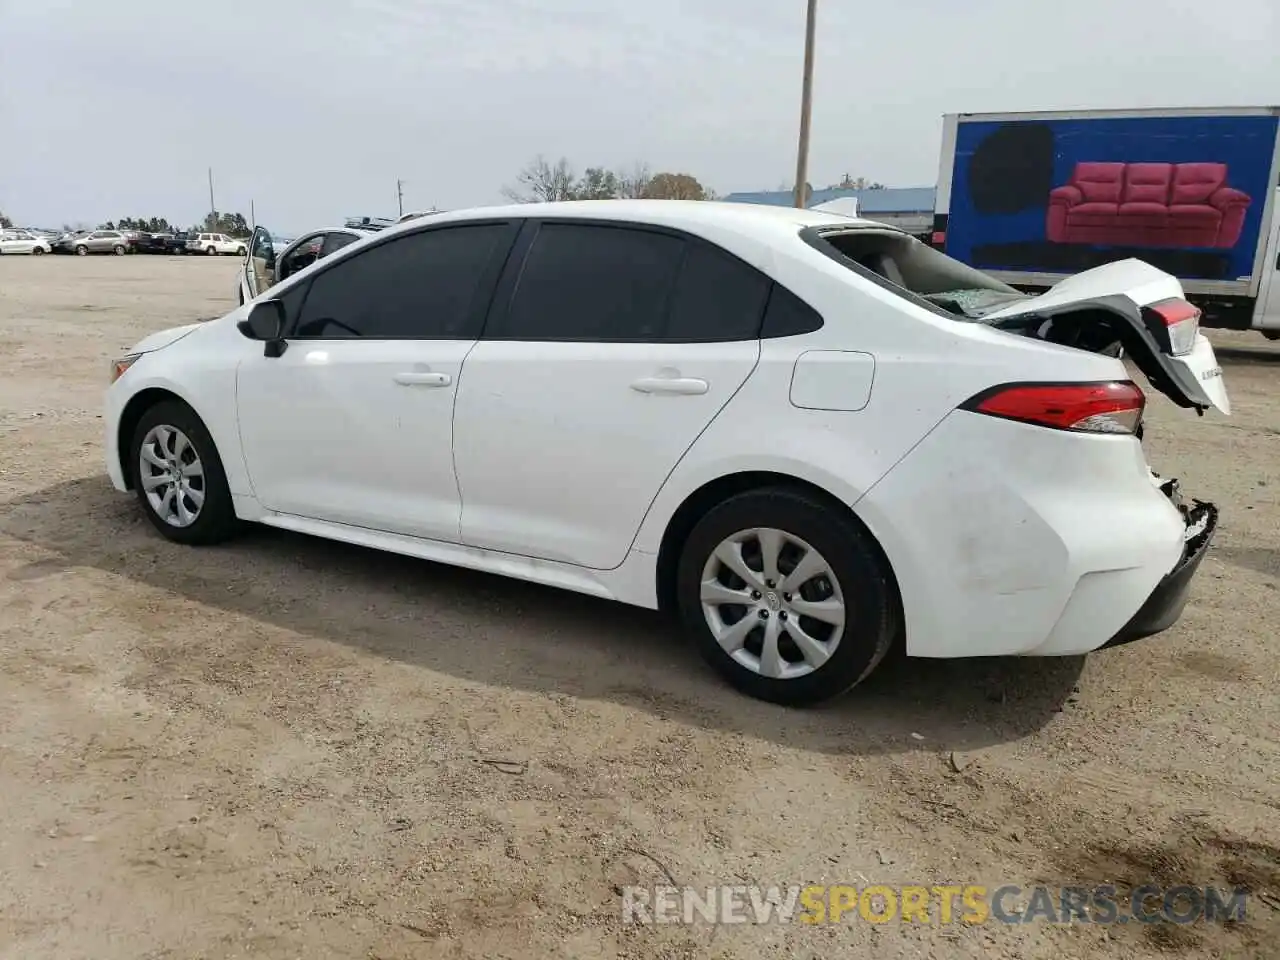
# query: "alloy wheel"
773,603
171,475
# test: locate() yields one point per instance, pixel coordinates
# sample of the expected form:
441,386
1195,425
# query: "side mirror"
266,323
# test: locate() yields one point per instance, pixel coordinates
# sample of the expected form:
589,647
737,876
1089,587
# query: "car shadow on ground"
1235,355
493,630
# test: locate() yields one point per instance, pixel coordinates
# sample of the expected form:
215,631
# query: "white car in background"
809,436
215,244
272,259
23,241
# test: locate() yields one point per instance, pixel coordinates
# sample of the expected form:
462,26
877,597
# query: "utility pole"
253,217
806,106
213,210
400,196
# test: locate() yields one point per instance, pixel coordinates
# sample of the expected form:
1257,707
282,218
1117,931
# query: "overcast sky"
313,108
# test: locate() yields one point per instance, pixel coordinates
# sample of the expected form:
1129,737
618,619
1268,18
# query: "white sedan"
810,436
273,259
23,241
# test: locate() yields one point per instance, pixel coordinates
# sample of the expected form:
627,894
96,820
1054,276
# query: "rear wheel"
786,596
178,476
211,251
118,250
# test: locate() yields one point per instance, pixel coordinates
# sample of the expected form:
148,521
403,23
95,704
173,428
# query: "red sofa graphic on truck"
1177,205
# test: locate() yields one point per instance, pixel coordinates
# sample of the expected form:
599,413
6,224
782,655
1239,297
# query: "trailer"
1032,198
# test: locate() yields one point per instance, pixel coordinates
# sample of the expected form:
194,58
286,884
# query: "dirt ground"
285,747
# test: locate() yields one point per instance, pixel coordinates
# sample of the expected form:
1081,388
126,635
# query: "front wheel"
82,251
241,251
118,250
37,251
786,596
211,251
178,476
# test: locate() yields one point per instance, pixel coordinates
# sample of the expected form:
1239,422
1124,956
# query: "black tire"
211,251
241,251
217,519
82,251
37,251
866,584
118,250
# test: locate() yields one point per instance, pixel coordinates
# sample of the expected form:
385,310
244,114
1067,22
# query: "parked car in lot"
216,243
166,243
118,242
273,259
808,435
66,241
23,241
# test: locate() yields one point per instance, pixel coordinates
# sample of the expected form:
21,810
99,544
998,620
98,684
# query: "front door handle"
423,379
683,386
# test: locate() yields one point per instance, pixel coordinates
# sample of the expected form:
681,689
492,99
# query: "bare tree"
633,184
542,182
5,222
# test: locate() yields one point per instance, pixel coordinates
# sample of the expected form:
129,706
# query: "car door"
259,266
610,349
23,242
8,242
353,423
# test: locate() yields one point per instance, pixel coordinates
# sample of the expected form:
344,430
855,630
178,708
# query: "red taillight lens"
1112,407
1175,324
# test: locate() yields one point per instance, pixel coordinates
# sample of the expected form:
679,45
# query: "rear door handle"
423,379
683,386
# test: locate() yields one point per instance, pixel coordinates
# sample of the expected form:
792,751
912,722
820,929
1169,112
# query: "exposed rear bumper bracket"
1164,606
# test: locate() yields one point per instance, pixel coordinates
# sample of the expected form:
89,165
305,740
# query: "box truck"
1034,197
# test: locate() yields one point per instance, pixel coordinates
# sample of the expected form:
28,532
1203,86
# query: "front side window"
418,286
336,241
597,283
301,256
263,249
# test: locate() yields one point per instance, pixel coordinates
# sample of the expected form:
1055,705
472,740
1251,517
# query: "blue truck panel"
1045,195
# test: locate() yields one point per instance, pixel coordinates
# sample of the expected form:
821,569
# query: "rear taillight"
1174,323
1111,407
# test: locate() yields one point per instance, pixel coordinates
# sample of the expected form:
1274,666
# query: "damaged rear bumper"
1163,608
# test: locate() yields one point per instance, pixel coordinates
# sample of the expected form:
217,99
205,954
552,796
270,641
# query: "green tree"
5,222
675,186
232,224
597,183
856,183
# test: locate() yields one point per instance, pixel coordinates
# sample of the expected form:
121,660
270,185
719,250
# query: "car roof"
764,222
358,232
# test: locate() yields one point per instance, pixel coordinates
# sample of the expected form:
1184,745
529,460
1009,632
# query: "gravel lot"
284,747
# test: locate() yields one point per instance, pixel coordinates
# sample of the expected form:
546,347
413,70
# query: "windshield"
904,265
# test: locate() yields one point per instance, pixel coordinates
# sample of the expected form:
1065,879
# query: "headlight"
118,367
